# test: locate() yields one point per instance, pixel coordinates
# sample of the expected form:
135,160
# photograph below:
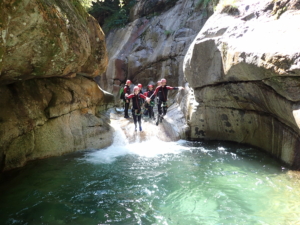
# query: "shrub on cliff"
112,14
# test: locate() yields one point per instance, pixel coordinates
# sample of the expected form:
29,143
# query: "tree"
87,4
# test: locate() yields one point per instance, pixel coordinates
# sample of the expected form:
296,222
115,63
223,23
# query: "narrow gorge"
227,150
239,66
241,71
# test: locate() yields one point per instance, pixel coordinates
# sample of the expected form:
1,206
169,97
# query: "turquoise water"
153,182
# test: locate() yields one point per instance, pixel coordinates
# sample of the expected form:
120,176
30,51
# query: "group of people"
147,99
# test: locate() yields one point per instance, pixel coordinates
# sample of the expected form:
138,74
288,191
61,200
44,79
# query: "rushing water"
152,182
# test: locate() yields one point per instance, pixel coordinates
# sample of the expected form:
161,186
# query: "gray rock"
41,39
152,47
244,70
50,117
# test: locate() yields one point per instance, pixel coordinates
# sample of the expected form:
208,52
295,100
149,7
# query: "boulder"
41,39
49,51
244,68
49,117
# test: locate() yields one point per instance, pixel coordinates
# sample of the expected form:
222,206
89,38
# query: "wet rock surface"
63,110
244,70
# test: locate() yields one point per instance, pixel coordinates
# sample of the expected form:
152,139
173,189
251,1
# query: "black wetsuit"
136,108
162,94
126,101
149,106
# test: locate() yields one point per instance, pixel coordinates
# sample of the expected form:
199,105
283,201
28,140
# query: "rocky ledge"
244,67
49,52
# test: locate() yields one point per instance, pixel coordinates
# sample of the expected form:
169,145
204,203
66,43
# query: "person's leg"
150,109
159,107
134,119
126,110
146,111
165,108
152,104
153,114
140,121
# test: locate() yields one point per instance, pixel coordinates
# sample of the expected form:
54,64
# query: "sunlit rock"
244,68
65,111
47,117
153,45
41,39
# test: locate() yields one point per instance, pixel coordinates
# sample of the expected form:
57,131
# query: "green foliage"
280,12
226,4
110,15
168,32
80,9
279,8
87,3
203,4
116,20
230,10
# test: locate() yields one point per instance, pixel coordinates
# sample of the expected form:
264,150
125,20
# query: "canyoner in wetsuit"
158,85
141,92
162,94
126,101
136,106
149,106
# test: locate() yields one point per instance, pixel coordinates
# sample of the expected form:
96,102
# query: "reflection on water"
152,182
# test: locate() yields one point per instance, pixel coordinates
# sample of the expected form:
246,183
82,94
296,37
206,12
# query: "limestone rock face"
48,117
150,8
152,46
244,69
62,111
53,38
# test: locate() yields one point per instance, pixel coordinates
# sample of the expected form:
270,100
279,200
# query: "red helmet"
128,82
164,80
136,88
140,86
150,86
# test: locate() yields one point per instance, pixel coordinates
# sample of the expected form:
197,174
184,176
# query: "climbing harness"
164,104
152,103
137,112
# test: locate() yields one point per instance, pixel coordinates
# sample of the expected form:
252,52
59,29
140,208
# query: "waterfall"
127,141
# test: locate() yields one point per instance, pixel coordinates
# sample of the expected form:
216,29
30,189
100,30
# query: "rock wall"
244,67
64,110
49,117
153,45
50,38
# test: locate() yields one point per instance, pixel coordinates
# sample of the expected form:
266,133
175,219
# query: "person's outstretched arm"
175,88
144,97
127,96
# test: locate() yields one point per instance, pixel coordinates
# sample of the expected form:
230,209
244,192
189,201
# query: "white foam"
149,149
152,147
